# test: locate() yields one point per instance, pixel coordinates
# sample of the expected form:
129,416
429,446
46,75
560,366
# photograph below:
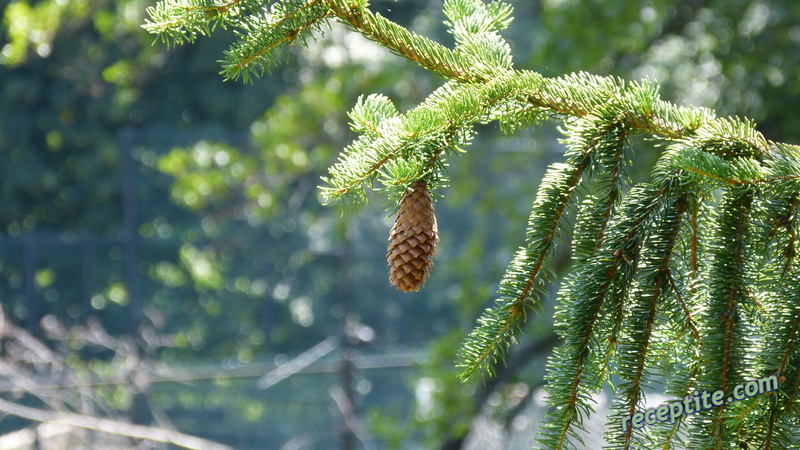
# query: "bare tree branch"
299,363
112,427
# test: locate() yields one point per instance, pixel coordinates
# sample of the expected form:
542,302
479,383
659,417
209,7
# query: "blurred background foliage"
143,195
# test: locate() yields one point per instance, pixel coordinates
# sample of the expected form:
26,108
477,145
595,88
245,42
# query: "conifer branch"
725,336
525,276
181,21
554,195
400,149
423,51
782,347
653,285
686,389
661,271
687,313
267,35
570,376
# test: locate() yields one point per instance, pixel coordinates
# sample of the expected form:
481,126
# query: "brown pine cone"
413,239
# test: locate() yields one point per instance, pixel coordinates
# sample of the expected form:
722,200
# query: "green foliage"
693,268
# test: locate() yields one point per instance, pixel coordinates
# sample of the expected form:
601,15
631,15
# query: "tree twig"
112,427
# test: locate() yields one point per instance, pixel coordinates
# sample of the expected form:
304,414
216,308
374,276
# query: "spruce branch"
397,39
664,276
779,355
599,287
726,332
640,325
523,283
267,33
180,21
399,149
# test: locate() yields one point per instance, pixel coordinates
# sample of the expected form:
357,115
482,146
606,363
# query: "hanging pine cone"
413,239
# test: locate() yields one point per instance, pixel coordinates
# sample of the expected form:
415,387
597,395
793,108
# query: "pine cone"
413,239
